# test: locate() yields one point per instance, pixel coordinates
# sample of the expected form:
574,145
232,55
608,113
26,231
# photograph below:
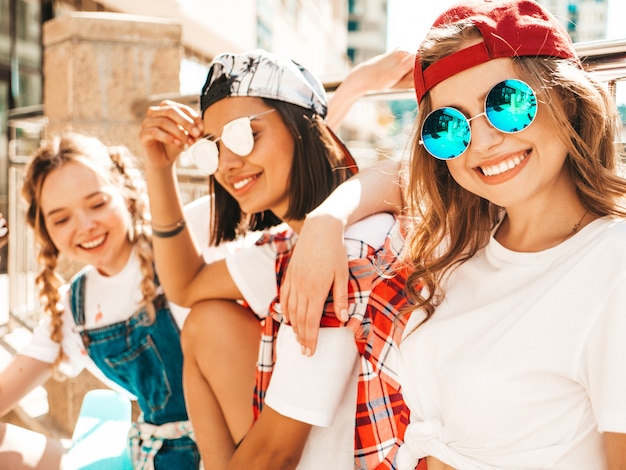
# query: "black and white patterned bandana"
262,74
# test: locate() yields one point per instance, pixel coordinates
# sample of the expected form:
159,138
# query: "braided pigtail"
135,194
113,164
48,279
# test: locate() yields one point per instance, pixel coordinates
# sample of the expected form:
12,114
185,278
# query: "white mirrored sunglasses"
237,136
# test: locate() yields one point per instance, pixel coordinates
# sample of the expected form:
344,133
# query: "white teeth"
94,243
502,167
240,184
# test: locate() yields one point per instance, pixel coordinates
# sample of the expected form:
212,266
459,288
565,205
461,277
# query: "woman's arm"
22,449
391,70
615,450
274,441
185,276
21,376
303,391
313,272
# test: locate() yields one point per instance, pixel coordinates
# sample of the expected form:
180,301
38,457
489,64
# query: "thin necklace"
578,224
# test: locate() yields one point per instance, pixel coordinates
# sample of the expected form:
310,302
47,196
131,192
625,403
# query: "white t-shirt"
320,390
111,299
523,364
108,299
254,272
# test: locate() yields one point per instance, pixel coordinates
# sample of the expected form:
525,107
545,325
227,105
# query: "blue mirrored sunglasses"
237,136
510,106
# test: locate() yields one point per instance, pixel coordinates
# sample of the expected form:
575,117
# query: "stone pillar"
96,67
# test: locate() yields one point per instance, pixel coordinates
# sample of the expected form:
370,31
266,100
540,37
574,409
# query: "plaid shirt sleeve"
376,298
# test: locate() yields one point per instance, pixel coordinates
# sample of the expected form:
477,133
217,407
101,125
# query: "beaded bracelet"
178,227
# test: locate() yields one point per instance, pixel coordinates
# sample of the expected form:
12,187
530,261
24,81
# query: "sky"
409,20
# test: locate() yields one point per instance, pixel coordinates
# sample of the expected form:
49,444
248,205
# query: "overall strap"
77,297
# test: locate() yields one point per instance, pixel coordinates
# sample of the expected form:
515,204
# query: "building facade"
585,20
367,29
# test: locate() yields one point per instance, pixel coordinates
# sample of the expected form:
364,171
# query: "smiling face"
86,217
259,181
506,169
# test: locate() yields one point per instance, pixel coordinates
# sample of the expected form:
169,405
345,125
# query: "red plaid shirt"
376,287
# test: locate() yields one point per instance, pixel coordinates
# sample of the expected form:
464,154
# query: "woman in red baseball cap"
515,351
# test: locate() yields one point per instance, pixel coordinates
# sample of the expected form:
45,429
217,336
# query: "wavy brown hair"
114,164
450,223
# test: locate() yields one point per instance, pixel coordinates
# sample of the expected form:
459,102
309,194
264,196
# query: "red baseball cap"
510,28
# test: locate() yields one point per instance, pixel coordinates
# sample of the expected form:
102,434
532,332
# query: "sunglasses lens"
237,136
511,106
204,155
445,133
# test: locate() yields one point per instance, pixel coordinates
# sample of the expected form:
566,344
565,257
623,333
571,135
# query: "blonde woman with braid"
87,202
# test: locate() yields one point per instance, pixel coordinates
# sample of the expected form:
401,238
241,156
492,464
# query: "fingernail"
303,350
196,132
344,315
308,352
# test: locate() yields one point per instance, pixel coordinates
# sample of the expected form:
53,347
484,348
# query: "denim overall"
145,359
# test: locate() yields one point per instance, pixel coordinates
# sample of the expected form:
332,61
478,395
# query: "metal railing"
27,129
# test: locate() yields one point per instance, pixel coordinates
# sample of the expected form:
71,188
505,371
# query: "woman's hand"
166,131
319,262
390,70
4,231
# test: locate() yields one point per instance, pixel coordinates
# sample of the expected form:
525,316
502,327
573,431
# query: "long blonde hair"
115,165
450,223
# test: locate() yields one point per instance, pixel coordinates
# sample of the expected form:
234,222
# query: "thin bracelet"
178,227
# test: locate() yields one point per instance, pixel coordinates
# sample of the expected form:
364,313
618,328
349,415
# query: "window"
354,25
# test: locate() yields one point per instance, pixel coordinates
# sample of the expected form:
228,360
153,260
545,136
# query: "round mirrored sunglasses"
510,106
237,136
